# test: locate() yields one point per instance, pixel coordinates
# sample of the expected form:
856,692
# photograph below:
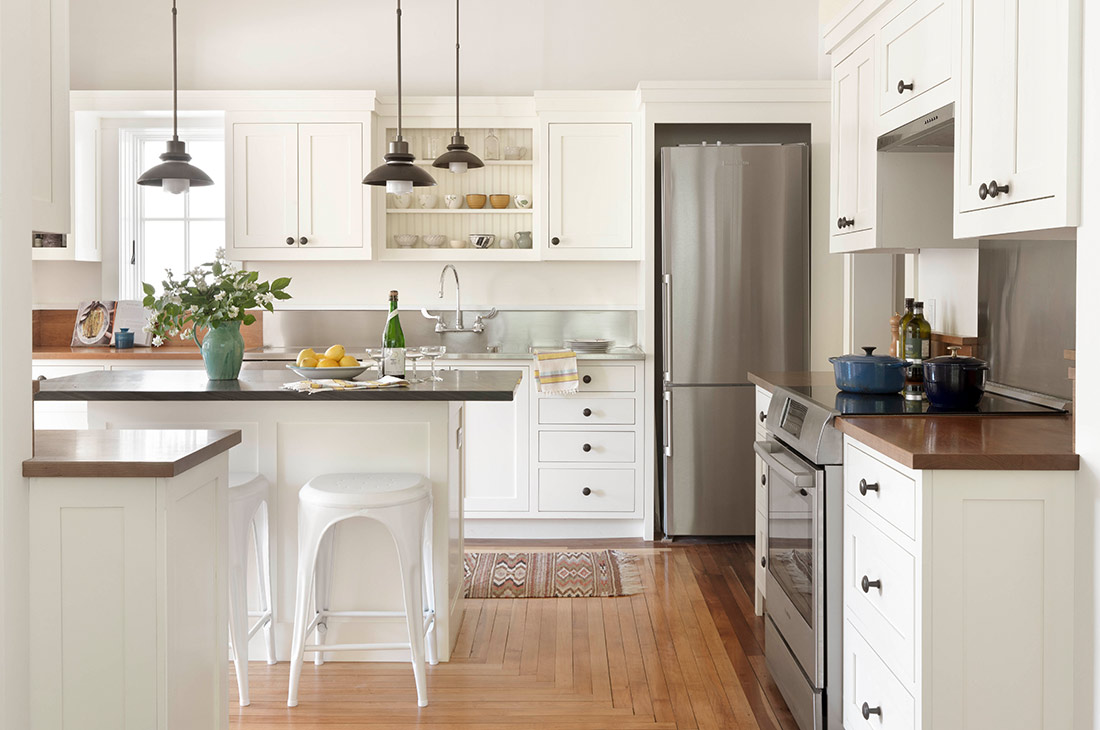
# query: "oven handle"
787,467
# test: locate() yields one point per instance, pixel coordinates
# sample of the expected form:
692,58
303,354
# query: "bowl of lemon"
333,363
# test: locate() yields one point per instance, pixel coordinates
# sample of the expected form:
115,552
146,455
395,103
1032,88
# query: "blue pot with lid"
869,373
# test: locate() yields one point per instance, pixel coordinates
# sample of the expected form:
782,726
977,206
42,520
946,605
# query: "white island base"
290,442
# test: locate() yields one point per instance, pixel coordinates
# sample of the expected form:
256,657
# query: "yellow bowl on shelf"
475,200
499,201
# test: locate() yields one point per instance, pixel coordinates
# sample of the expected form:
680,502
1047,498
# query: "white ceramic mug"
426,200
457,243
515,153
522,201
403,200
453,201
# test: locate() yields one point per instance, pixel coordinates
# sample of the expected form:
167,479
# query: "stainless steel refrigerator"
734,298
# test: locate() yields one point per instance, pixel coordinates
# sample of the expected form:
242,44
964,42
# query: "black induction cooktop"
855,404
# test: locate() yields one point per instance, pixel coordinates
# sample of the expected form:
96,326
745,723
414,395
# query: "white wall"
947,283
508,47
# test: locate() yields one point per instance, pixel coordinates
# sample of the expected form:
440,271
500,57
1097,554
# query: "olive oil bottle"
393,343
901,327
917,345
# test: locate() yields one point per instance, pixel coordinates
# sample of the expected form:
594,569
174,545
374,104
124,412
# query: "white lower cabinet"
498,450
584,490
958,596
760,478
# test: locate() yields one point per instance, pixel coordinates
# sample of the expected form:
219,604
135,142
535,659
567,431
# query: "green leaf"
249,319
281,283
147,301
280,294
148,289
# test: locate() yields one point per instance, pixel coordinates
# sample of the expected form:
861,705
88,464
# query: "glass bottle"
492,146
918,348
908,315
393,343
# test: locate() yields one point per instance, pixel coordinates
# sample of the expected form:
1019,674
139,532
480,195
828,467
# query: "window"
162,231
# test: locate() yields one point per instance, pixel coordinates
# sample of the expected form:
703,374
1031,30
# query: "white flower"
158,341
264,298
220,254
187,334
233,312
219,296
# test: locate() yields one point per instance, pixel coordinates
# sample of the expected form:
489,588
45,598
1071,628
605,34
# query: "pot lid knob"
954,350
869,350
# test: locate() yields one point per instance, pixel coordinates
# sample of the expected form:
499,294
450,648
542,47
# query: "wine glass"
413,353
375,354
433,352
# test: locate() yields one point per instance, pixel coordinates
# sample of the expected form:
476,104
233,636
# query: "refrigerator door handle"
666,285
668,423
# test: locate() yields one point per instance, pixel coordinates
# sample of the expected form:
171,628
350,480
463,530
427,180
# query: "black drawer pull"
867,584
586,491
995,189
763,562
555,241
903,87
586,379
290,240
586,448
586,412
864,487
868,711
763,416
303,240
763,480
803,492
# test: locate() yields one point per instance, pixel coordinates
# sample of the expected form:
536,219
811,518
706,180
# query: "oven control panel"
793,417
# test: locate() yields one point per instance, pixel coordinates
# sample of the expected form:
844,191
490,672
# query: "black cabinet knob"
586,412
763,480
763,562
303,240
840,222
763,416
586,448
995,189
867,711
586,491
803,492
555,241
586,379
903,87
290,240
983,191
843,222
864,487
866,584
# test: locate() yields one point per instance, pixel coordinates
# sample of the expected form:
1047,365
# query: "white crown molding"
735,92
115,101
848,21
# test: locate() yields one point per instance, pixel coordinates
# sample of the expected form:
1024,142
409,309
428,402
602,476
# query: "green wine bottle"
901,327
918,348
393,343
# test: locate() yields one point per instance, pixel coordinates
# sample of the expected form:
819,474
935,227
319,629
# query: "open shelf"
488,163
460,254
454,211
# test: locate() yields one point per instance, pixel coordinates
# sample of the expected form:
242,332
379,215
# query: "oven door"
795,562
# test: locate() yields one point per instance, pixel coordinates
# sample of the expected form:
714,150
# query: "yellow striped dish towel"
556,371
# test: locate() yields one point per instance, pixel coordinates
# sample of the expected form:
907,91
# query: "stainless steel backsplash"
511,330
1026,312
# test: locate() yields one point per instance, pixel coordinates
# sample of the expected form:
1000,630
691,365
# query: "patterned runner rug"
589,574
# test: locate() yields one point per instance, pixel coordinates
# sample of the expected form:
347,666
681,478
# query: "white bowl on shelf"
434,240
405,240
482,240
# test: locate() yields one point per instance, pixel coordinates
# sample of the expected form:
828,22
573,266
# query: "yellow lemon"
328,362
336,352
347,361
308,352
307,362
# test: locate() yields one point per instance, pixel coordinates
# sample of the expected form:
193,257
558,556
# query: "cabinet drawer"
867,680
895,500
760,479
761,551
563,490
763,402
610,379
887,614
582,410
610,446
915,50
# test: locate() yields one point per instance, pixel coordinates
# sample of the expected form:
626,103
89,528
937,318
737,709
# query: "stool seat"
365,490
244,484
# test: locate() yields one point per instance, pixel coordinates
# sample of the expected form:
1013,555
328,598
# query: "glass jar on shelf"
492,146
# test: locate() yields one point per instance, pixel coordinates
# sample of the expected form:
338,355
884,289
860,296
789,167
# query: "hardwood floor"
685,653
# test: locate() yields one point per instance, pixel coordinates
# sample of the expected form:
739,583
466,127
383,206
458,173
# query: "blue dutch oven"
870,373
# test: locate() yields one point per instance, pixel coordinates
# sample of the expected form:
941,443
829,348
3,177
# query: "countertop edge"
46,467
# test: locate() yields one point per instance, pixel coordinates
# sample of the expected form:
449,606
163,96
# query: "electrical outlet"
930,315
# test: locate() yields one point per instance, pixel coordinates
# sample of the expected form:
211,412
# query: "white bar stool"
249,497
403,504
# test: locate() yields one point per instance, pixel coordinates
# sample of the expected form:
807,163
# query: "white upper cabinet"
853,151
915,56
1017,138
296,191
49,67
591,190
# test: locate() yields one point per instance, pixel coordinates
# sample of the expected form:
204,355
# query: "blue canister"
124,339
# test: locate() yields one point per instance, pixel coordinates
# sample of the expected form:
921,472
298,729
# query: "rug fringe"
629,572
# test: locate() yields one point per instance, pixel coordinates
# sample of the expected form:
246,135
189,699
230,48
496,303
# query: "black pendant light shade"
458,158
175,174
398,173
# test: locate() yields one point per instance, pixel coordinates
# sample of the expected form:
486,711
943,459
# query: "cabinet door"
1018,113
265,185
915,57
49,69
330,185
854,149
591,186
498,448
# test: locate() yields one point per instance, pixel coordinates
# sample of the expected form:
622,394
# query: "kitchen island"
291,437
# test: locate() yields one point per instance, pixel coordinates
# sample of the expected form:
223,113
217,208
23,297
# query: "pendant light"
175,174
398,173
458,158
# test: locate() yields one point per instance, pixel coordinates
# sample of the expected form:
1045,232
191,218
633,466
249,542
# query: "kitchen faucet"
440,325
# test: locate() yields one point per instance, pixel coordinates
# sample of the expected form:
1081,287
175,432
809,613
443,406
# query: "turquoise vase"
223,351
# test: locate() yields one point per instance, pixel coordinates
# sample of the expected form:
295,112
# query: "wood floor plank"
685,653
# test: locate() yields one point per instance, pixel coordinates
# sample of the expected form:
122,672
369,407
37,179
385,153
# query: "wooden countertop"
769,381
266,385
1023,443
168,352
125,453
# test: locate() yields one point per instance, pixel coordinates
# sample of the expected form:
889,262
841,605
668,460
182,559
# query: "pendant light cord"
457,130
399,137
175,80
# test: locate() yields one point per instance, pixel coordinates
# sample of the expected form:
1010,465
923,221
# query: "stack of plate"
589,346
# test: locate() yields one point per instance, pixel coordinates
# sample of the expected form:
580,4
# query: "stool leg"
431,648
311,528
261,536
322,583
407,530
238,603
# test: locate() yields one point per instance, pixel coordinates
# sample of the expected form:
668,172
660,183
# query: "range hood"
933,132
